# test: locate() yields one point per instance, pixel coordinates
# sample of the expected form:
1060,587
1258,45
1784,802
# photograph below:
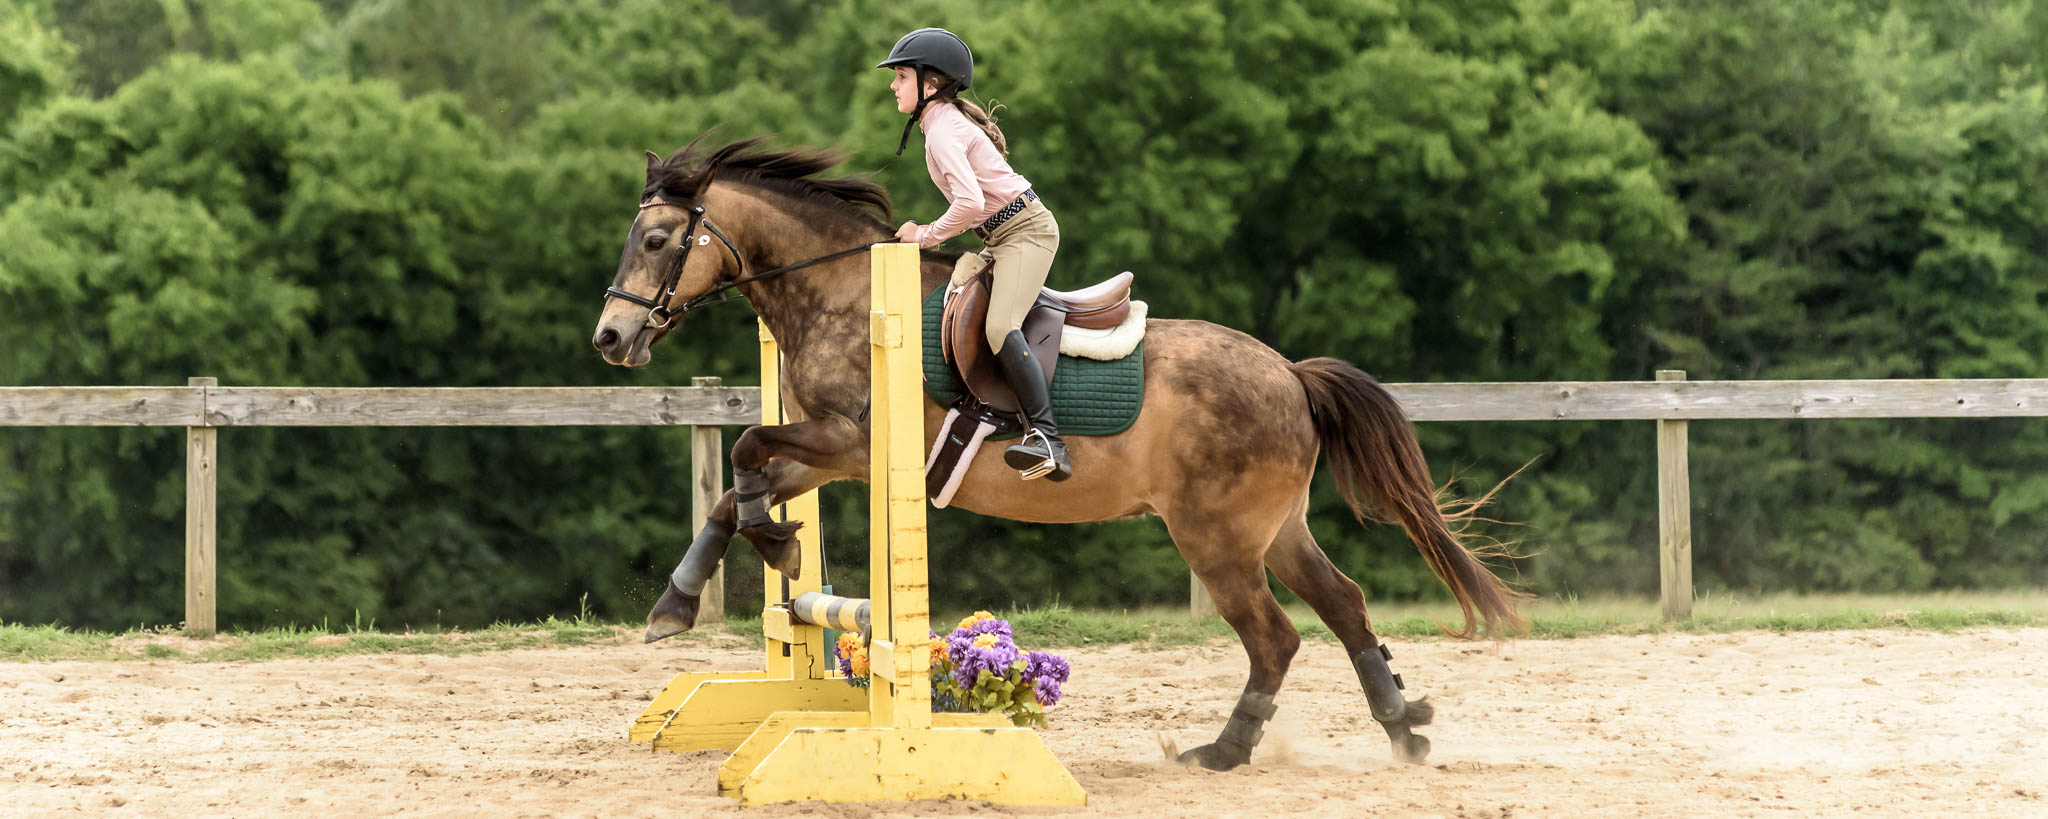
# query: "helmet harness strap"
923,100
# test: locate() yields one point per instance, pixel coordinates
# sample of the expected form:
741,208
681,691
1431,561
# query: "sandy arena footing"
1870,722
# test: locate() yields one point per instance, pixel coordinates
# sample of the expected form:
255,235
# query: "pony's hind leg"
1230,569
1302,566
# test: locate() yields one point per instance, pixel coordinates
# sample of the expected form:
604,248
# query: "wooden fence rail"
204,407
688,406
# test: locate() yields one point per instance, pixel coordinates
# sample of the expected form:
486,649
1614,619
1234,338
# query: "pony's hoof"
1414,749
673,614
778,547
1217,756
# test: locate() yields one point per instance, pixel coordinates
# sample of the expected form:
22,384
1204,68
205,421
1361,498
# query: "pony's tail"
1382,475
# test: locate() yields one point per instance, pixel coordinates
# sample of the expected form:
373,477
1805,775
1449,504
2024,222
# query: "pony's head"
690,240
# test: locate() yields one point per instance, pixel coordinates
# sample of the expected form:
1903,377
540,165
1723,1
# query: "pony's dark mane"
683,177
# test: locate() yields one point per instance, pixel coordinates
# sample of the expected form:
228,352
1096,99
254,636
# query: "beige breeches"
1023,248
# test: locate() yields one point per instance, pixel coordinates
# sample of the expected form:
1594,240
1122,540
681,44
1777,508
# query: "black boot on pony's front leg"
676,611
1041,454
775,541
1240,735
1399,716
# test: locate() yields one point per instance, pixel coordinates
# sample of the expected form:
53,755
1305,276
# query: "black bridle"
659,315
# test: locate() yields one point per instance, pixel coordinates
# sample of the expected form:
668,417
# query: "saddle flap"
1042,329
965,345
966,349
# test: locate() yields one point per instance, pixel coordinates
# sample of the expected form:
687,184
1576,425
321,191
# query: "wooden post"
1674,514
707,460
1200,604
201,444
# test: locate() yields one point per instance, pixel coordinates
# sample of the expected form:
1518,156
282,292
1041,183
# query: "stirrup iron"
1042,468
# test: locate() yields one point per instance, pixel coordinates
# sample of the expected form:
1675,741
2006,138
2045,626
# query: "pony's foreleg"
1303,567
771,464
780,463
676,611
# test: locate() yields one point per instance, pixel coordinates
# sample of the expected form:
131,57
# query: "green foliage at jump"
397,192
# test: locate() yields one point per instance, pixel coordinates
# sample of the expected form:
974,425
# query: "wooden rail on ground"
203,408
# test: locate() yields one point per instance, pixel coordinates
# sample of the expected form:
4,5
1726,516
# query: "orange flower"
970,620
984,640
859,659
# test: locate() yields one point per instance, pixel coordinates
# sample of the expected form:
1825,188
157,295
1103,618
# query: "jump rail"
1671,401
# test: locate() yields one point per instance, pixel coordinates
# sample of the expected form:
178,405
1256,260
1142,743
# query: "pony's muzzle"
607,342
626,347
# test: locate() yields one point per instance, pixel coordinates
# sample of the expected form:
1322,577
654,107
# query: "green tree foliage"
399,192
1864,195
118,39
35,62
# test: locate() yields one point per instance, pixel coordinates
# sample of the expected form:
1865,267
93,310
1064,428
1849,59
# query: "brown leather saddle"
1102,306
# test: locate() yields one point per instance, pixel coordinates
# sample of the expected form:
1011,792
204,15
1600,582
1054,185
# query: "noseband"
659,314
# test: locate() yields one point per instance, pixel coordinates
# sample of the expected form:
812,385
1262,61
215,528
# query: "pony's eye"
656,240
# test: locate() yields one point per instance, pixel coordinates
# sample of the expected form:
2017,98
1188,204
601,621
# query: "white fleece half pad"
1106,345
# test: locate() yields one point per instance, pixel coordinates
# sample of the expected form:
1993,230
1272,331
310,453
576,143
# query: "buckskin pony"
1223,451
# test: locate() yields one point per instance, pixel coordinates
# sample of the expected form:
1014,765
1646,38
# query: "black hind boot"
1399,715
1041,454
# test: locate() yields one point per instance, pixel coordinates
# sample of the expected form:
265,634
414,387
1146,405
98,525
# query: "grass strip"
1059,626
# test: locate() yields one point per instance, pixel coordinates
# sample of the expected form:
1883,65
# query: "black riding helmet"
934,49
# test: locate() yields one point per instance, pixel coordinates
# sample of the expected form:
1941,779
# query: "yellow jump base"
778,726
1009,766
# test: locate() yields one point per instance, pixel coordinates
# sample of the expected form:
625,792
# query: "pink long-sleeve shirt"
968,169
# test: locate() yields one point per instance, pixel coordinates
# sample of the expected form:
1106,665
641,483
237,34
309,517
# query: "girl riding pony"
964,151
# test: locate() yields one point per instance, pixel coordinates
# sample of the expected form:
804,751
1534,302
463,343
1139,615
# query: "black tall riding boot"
1041,454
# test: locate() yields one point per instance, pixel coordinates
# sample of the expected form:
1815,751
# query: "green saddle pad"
1089,397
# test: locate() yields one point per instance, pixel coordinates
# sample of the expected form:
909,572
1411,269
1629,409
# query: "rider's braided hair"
937,79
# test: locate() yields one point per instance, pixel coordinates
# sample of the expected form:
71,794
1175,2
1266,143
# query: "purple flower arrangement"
978,668
1046,671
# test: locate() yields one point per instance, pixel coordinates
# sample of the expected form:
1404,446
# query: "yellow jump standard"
797,731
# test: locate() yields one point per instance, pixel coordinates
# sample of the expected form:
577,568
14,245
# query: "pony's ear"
653,163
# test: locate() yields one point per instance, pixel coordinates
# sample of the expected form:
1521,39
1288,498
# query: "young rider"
964,151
